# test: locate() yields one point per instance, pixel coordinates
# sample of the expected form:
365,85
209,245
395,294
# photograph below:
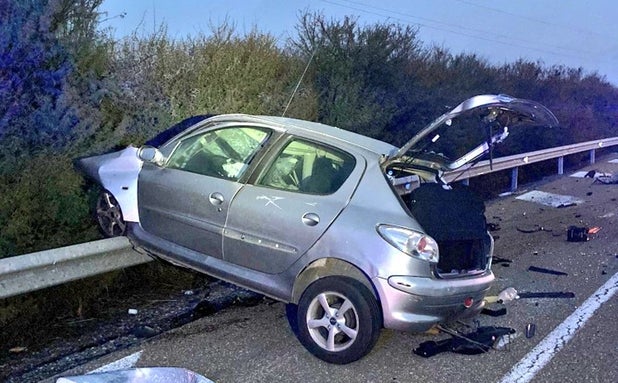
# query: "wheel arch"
330,267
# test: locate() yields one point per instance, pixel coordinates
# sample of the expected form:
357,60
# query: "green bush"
43,205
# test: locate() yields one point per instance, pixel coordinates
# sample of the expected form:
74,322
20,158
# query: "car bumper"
416,304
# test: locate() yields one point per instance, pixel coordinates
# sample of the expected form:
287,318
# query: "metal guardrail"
34,271
517,160
30,272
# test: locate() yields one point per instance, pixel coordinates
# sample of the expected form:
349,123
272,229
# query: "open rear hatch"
467,132
453,215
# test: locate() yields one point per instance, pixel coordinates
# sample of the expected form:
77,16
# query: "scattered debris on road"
530,330
577,234
504,262
550,199
557,294
506,295
494,313
533,229
581,234
480,341
607,179
546,271
594,230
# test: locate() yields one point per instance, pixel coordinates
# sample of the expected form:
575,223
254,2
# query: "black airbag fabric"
449,214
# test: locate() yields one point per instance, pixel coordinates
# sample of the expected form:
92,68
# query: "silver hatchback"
352,233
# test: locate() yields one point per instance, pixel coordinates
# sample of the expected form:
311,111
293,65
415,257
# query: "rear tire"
338,320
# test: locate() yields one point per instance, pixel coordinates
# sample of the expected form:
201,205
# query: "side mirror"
150,154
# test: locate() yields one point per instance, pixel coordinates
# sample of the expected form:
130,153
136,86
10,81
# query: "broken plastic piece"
607,179
504,296
558,294
528,230
132,312
508,294
594,230
546,271
530,330
494,313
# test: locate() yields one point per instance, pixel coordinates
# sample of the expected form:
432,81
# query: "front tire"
338,320
109,215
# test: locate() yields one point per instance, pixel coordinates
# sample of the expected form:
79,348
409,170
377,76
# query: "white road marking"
536,359
120,364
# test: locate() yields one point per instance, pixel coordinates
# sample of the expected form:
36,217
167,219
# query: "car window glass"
307,167
223,153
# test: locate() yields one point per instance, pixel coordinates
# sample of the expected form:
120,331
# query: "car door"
274,221
186,200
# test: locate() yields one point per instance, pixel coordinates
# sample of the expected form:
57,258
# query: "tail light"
413,243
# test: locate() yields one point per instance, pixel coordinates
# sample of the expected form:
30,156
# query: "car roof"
312,129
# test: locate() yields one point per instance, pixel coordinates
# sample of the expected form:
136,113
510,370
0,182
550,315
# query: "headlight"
411,242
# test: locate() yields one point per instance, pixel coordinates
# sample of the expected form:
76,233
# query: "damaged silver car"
352,233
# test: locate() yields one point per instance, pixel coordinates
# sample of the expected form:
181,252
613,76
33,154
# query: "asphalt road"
255,344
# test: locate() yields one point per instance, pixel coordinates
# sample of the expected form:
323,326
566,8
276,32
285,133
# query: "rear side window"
223,153
307,167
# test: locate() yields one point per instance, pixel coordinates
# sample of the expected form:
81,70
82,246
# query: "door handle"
216,198
311,219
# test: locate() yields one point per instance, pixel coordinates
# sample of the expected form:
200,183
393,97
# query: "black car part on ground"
477,342
494,313
550,294
546,271
577,234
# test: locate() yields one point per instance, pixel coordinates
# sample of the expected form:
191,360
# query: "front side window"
308,167
222,153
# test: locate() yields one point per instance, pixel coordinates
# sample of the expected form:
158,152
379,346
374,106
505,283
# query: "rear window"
307,167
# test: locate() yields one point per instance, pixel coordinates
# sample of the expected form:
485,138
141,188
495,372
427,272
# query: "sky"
572,33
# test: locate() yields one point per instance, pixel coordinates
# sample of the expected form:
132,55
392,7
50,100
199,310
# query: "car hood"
494,115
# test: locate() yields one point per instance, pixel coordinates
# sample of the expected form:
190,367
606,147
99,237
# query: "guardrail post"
561,165
514,175
592,156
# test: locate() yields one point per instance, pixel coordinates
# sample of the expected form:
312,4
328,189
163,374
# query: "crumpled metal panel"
117,172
